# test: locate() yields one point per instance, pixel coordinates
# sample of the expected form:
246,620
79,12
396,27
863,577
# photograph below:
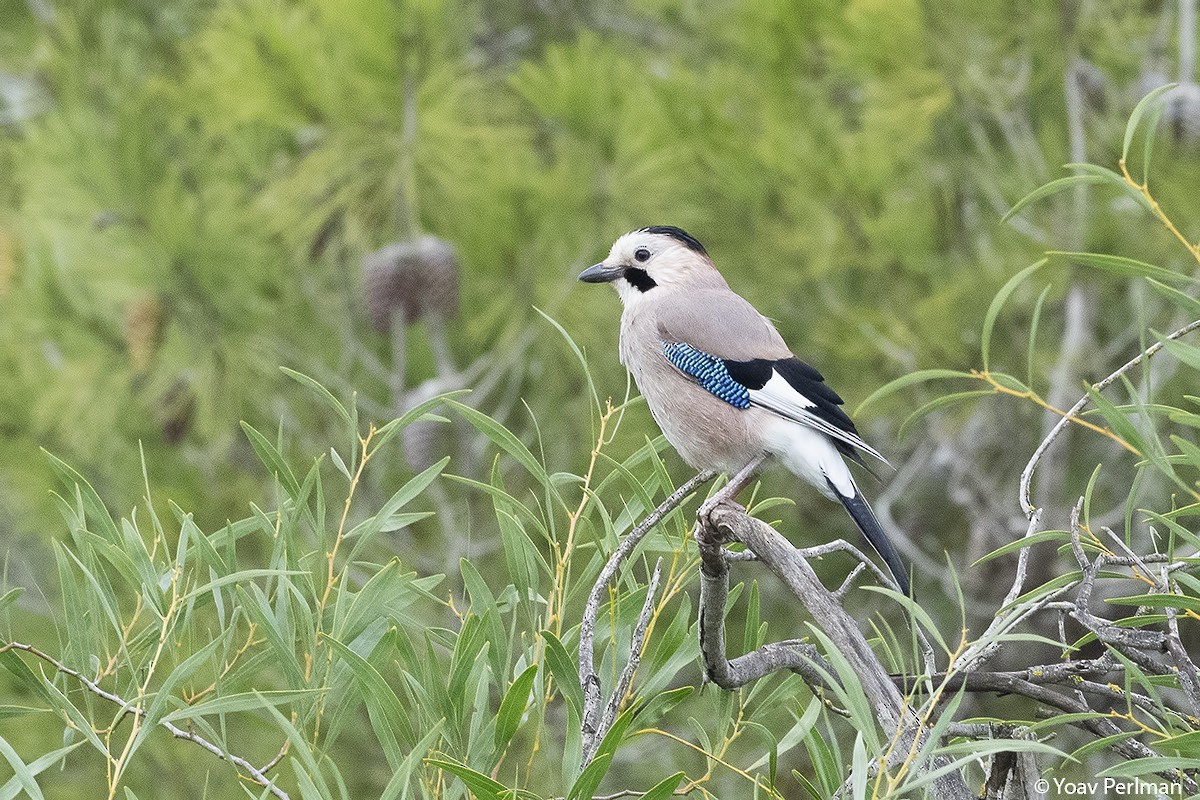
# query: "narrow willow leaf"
989,321
21,771
506,440
323,393
242,701
1188,354
940,402
1135,118
417,412
562,667
1114,179
1129,267
273,460
859,777
664,788
921,376
585,785
1047,189
93,505
383,706
1185,302
1023,542
1146,766
1176,601
1031,350
512,707
916,610
13,787
483,787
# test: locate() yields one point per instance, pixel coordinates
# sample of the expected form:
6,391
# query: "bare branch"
635,658
588,679
726,523
1027,506
1012,683
254,772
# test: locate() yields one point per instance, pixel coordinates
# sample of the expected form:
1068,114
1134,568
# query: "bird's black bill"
599,273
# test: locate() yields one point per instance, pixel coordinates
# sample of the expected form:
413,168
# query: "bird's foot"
726,494
721,498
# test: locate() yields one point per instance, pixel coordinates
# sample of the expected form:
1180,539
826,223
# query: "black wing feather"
806,380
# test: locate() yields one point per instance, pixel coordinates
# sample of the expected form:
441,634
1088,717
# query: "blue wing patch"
708,371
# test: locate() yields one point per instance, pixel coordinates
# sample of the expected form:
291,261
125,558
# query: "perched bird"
720,381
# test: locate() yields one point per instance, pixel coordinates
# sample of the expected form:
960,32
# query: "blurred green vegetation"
188,189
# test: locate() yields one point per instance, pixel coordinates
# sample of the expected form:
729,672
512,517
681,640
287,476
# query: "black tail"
860,511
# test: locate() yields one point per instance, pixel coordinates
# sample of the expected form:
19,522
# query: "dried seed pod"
175,411
1093,84
414,279
143,329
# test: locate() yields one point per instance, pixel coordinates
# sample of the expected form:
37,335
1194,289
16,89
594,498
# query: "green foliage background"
187,190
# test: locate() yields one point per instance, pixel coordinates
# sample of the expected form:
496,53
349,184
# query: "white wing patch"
781,397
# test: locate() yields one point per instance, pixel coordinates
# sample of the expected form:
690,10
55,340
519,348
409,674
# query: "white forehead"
630,242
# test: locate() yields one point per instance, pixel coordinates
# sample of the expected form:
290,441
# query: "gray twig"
635,658
1027,506
592,724
726,523
254,772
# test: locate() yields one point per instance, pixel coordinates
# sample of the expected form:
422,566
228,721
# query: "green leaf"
1115,179
585,785
1128,267
1186,353
562,667
21,771
1047,189
940,402
664,788
807,785
383,706
1146,766
1135,118
242,701
989,321
512,707
1176,601
920,376
1031,350
92,504
504,438
1023,542
272,459
417,412
480,785
917,611
1187,743
1185,302
14,786
322,392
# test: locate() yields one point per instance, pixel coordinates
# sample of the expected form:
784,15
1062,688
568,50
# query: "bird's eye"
641,254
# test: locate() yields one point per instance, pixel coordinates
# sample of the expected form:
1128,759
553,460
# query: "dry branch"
259,776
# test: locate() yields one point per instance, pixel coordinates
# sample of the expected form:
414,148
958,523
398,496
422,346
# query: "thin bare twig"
1027,507
588,679
635,658
254,772
729,523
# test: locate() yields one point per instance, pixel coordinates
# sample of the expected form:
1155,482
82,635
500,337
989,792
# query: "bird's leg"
729,491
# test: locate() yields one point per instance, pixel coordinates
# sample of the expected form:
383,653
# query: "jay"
721,382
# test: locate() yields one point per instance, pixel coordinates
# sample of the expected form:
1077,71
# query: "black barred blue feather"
786,386
708,371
